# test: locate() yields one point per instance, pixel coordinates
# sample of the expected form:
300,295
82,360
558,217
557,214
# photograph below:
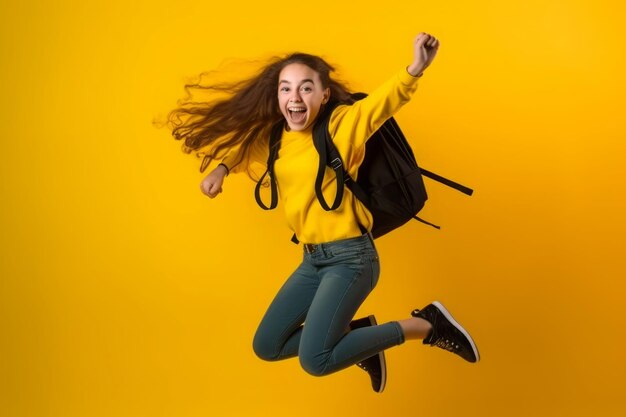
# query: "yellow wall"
125,292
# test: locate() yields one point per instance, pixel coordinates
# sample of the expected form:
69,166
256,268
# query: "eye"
284,89
307,89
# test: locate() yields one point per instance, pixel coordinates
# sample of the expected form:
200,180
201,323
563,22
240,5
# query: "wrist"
415,70
224,169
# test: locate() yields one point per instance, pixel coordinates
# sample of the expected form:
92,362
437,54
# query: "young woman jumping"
311,316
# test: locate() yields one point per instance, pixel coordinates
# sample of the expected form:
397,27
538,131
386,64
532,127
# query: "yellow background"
126,292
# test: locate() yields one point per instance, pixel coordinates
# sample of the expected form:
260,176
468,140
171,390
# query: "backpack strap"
348,181
329,156
449,183
427,222
275,136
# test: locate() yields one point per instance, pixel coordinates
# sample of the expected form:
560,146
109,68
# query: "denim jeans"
310,315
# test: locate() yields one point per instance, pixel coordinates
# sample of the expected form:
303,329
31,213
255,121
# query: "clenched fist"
211,185
425,47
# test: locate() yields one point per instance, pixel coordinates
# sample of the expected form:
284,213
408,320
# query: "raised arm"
357,122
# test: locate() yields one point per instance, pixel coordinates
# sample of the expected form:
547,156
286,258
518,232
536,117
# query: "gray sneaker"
374,365
447,333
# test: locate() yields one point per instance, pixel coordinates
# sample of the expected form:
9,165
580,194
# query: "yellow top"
296,166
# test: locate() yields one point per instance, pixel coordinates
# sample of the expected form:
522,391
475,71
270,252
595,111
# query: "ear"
326,96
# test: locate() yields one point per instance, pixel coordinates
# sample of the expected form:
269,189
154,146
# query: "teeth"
296,109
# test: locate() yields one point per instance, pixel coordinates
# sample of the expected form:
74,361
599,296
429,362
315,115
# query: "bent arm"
258,152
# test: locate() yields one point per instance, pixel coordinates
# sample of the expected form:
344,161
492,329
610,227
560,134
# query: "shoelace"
446,344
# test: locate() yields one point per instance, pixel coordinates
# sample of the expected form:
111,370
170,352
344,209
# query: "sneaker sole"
381,357
458,326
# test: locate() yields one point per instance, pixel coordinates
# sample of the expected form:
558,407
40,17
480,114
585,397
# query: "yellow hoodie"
296,166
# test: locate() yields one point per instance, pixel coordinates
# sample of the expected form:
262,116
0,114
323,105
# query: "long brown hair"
246,115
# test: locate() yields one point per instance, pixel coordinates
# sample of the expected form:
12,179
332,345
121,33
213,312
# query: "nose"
295,96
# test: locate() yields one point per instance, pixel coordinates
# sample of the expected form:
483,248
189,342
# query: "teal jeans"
311,314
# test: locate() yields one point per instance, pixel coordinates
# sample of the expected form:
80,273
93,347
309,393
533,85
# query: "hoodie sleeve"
354,124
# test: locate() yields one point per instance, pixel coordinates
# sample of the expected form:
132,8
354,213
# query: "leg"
278,334
415,328
346,279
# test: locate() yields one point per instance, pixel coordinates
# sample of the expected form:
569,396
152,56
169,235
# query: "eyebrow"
303,81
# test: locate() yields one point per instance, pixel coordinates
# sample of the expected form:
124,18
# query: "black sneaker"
374,365
447,333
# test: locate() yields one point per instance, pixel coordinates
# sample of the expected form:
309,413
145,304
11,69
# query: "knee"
264,348
312,366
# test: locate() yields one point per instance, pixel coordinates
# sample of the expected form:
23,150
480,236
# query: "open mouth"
297,114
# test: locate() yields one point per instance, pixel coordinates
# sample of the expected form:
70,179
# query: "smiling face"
300,95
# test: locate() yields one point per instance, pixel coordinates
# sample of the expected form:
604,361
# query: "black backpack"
389,184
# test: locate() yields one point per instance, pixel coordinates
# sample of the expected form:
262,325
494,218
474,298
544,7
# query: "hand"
425,49
212,184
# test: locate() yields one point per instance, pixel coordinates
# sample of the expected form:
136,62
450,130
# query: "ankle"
415,328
